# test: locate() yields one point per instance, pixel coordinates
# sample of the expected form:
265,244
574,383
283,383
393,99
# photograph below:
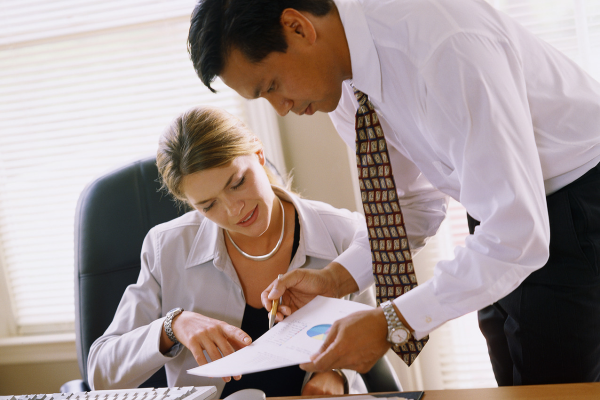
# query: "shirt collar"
209,243
366,70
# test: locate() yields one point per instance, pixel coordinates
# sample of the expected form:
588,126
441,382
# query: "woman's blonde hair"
203,138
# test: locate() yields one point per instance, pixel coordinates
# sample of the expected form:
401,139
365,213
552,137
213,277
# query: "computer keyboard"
175,393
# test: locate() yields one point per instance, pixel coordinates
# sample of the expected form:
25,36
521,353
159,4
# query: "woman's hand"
324,383
198,333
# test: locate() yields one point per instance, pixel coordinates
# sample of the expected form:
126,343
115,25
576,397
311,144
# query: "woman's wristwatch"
168,321
398,334
345,379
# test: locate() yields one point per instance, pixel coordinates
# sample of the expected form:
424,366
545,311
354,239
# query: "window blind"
462,350
572,26
85,86
461,358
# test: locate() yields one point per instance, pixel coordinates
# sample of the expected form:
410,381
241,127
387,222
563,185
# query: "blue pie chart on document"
319,332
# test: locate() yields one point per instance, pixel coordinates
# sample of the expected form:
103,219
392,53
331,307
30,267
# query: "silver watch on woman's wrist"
169,320
398,334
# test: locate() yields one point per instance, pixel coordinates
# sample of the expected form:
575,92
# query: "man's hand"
354,342
198,333
324,383
300,286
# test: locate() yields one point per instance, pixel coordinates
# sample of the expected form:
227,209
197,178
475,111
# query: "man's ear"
298,25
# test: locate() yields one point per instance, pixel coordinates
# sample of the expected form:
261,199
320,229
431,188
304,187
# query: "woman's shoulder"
190,235
189,223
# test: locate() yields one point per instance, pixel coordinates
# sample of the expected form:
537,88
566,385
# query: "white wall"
318,159
34,378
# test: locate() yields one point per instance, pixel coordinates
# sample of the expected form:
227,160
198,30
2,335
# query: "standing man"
460,101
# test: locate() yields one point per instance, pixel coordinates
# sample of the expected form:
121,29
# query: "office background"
87,86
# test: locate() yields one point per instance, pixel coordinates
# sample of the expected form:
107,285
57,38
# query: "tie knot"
362,98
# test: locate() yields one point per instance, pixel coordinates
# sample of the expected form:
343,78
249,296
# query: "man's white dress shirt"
475,107
185,264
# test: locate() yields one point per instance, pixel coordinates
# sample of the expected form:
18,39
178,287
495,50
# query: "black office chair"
114,214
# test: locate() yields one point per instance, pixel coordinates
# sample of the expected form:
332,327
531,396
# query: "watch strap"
168,321
390,315
345,379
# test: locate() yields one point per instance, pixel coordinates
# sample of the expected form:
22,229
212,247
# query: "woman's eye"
206,209
241,182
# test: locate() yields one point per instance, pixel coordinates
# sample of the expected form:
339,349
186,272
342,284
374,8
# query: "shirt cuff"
358,263
421,309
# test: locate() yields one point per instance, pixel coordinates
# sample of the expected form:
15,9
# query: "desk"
574,391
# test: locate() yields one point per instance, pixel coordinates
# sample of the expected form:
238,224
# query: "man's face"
300,80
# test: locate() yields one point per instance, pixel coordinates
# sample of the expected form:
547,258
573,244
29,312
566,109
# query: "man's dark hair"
251,26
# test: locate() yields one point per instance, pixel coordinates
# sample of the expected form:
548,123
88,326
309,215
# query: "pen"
274,307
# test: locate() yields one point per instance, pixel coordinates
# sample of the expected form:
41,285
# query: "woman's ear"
261,156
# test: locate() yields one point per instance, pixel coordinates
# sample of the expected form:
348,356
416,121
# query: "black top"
277,382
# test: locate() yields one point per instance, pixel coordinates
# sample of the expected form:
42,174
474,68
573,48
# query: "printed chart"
319,332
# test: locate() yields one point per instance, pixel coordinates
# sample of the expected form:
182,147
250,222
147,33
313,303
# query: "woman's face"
238,197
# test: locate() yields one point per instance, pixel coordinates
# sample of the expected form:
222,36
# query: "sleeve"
423,206
128,352
476,109
356,258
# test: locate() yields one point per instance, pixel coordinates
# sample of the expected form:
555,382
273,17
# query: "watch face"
175,311
399,336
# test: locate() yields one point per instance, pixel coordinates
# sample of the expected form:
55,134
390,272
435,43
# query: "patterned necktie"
392,262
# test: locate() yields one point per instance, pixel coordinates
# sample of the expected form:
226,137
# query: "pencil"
274,307
273,313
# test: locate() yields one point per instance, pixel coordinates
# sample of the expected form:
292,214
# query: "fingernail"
247,340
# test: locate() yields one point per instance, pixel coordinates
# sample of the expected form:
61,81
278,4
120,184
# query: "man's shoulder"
417,27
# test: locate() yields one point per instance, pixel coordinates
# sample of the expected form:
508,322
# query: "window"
85,86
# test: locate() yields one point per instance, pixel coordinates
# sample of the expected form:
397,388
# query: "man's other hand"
354,342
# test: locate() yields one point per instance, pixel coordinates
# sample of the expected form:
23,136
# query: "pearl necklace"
272,253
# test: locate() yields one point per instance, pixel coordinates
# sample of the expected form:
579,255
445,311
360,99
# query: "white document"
290,342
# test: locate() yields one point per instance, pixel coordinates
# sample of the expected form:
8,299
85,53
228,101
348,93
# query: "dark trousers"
548,329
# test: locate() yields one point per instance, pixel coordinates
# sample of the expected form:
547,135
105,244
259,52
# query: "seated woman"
211,265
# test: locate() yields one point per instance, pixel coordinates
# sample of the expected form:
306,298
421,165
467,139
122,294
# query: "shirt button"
428,319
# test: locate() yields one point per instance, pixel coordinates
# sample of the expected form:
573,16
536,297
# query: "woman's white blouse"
185,264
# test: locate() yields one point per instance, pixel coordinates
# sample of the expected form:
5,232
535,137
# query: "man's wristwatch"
398,334
169,320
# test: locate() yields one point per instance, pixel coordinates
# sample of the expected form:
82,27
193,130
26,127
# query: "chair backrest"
114,214
382,377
